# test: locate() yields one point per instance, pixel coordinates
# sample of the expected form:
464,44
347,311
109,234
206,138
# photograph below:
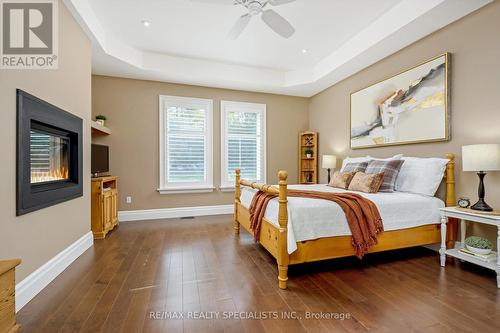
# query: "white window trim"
207,186
255,107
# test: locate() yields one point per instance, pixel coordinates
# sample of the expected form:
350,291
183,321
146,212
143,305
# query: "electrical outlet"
128,200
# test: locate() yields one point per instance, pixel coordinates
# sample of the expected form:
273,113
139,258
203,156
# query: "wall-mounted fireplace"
49,154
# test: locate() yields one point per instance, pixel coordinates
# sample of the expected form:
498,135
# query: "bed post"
283,257
236,202
450,180
452,224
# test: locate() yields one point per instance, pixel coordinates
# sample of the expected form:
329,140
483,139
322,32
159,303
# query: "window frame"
250,107
186,187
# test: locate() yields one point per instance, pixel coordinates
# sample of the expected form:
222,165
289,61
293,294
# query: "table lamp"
329,162
481,158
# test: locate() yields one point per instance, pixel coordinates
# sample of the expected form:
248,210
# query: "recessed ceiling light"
146,23
304,51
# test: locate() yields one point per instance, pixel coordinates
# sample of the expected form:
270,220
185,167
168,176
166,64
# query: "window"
243,142
185,145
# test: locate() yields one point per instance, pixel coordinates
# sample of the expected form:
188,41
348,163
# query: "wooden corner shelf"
99,129
308,166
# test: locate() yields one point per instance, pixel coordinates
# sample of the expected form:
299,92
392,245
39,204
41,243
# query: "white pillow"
421,175
395,157
348,160
366,158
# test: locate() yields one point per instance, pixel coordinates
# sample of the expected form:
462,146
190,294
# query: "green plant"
100,117
308,151
478,242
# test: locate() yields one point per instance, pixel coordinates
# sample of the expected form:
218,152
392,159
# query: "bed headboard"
449,177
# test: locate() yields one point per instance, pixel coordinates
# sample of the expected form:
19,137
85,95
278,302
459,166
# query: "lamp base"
482,206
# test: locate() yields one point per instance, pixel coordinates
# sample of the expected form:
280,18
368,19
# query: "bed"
298,230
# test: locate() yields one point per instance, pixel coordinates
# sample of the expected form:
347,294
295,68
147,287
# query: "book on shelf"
487,258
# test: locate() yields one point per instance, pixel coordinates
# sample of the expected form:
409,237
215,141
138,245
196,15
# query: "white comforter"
314,218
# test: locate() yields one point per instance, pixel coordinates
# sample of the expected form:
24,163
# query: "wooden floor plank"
145,273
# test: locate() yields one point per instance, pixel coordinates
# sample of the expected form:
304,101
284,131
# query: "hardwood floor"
196,265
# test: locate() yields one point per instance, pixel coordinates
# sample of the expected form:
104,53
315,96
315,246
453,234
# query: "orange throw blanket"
362,215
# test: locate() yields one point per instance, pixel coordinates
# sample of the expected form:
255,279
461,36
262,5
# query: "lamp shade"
329,162
483,157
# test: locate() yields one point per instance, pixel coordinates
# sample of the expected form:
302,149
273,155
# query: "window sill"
227,188
181,190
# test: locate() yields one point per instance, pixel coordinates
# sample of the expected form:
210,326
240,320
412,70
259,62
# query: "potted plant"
478,245
100,119
309,152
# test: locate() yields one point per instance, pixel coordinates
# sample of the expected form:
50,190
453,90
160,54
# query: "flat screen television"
100,159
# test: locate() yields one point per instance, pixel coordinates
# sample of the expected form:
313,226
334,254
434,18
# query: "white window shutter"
185,144
243,141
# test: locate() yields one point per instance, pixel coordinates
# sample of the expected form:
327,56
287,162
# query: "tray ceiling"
186,41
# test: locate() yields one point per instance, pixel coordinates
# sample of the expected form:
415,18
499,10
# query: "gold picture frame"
412,106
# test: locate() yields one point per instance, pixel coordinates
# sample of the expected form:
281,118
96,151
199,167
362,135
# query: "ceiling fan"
258,7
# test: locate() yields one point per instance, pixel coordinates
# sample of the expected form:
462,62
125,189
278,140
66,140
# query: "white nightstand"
472,217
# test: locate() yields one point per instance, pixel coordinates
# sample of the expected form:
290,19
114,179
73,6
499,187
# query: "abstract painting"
411,107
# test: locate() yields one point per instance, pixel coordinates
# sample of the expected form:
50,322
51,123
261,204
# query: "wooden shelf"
99,129
462,256
308,166
8,295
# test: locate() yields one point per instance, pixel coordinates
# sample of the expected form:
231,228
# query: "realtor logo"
28,34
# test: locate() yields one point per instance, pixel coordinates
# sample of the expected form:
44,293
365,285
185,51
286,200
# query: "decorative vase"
477,250
100,121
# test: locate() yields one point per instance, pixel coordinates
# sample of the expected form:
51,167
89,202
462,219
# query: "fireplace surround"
49,154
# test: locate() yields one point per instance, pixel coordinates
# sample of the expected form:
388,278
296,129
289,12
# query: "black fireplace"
49,154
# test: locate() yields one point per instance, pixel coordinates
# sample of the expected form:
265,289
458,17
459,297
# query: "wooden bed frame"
274,239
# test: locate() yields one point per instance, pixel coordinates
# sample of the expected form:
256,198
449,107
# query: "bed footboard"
282,256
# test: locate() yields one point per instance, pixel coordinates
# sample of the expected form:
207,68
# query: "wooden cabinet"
308,158
8,296
104,205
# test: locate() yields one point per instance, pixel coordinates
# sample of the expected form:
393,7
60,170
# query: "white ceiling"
199,29
187,40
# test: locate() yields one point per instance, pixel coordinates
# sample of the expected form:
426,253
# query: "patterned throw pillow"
341,179
355,167
390,169
366,182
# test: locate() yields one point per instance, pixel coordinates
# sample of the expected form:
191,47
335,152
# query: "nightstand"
462,215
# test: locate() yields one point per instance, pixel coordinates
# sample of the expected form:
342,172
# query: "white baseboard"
169,213
39,279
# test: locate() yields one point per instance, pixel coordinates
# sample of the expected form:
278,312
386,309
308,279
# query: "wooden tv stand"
104,198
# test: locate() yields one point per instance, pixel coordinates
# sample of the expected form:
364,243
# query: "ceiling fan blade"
278,23
279,2
239,26
216,2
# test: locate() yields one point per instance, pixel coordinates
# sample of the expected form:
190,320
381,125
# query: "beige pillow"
366,182
341,179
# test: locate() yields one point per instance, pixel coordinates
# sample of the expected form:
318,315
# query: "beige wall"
37,237
132,110
475,89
